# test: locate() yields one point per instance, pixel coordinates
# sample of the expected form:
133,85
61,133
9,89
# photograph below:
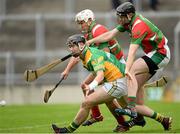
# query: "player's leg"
118,89
119,118
96,115
144,65
98,97
141,108
161,61
138,67
146,111
114,105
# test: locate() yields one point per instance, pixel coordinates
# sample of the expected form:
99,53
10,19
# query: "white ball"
3,103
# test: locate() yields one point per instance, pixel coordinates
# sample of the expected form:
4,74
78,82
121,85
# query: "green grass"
38,118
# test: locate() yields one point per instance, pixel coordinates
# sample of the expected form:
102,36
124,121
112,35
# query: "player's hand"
88,43
87,89
128,75
65,74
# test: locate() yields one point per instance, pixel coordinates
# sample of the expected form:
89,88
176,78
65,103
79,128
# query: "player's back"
99,60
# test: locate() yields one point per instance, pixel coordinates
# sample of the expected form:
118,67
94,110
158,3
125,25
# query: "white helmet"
84,15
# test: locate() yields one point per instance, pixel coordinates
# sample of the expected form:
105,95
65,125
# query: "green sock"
72,127
132,101
157,116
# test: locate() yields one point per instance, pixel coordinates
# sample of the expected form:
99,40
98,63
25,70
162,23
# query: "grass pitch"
38,118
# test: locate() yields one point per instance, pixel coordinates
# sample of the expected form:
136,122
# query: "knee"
133,70
87,104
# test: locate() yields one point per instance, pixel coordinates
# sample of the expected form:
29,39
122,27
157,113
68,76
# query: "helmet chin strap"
81,48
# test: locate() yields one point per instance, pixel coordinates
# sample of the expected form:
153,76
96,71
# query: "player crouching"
105,69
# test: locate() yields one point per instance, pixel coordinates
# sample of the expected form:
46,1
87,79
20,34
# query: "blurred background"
33,33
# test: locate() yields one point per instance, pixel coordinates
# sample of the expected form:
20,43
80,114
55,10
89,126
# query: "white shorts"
116,88
164,61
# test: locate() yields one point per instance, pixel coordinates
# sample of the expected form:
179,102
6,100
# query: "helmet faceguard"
125,9
85,15
76,39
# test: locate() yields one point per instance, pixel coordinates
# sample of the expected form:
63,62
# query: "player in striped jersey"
146,35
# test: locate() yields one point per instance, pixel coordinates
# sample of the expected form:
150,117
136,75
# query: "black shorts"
151,65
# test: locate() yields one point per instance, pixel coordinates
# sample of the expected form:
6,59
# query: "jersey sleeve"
120,28
98,30
98,63
139,31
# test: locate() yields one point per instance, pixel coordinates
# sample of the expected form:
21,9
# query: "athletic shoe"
127,111
135,122
121,128
92,120
58,130
166,123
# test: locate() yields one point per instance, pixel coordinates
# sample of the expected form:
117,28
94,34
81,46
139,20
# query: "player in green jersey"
105,68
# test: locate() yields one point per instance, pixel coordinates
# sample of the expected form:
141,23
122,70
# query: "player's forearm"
89,78
131,56
73,61
129,62
130,59
101,38
98,79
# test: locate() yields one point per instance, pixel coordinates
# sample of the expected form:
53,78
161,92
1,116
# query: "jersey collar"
133,19
91,26
83,53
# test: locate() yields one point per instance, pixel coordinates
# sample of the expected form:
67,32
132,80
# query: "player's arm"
97,80
138,33
131,56
73,61
103,37
89,78
98,66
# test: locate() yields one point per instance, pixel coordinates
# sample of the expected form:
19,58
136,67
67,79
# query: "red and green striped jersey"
145,34
96,30
94,60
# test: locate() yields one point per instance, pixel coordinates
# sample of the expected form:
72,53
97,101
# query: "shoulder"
139,24
139,28
98,30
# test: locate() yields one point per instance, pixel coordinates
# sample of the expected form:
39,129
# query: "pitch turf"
38,118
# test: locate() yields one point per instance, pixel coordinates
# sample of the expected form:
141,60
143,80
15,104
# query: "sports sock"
72,127
157,116
131,101
120,119
95,112
140,117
